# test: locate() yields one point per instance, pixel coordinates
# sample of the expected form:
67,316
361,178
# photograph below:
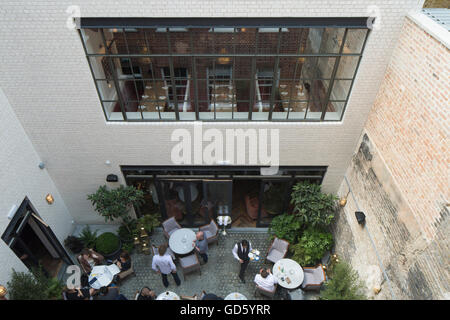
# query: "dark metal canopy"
287,22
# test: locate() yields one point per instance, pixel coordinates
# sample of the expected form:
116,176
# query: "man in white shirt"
163,264
240,253
266,280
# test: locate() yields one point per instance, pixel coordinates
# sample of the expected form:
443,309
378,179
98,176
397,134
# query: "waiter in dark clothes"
240,252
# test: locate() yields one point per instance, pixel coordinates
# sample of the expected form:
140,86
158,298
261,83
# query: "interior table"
168,295
289,273
102,276
235,296
181,241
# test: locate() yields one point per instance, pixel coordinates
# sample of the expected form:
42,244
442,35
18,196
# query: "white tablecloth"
104,275
289,273
235,296
181,241
168,295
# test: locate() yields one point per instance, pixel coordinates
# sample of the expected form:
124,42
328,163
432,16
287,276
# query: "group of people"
164,265
88,260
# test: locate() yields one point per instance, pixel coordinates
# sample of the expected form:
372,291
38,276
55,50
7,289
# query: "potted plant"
74,244
116,203
312,245
313,207
109,245
149,222
88,237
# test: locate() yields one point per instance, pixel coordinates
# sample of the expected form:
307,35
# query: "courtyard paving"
218,276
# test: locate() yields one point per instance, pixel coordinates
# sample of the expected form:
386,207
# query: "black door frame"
13,231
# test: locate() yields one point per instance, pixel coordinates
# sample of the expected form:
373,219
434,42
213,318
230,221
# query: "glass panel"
180,41
101,67
290,67
347,67
317,92
293,41
151,200
218,196
202,40
334,110
157,41
107,90
324,40
116,41
354,40
112,110
223,40
93,41
246,40
273,200
268,40
340,89
174,206
314,67
135,41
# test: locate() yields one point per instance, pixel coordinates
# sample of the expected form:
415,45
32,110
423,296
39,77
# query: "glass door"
218,197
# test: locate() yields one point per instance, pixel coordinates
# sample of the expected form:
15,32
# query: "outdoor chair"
211,231
264,292
124,274
171,253
313,278
81,265
170,226
190,264
277,250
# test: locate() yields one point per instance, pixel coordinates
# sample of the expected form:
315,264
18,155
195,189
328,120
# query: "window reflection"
225,73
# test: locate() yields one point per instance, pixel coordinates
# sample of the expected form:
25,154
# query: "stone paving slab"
218,276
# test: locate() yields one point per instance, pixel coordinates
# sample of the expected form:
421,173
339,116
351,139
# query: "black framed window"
222,69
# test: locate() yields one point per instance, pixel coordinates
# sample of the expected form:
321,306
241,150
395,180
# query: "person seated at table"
78,293
145,294
109,293
201,245
163,264
266,280
240,252
209,296
124,261
89,258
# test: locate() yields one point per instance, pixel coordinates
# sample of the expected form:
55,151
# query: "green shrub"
286,226
34,286
88,237
313,207
149,222
311,247
74,244
344,284
107,243
129,247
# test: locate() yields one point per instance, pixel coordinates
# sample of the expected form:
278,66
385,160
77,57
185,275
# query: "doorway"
34,243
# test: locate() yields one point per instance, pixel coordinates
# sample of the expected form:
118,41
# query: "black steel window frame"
235,23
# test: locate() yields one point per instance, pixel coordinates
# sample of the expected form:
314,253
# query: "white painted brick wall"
47,80
20,176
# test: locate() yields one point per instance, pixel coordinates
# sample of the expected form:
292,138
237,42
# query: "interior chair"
170,226
190,264
314,277
264,292
277,250
211,231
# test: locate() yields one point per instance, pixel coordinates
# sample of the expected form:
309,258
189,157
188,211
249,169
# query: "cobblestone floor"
218,276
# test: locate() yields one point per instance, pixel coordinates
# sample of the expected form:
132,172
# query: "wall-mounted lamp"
112,178
343,200
41,165
49,198
2,292
360,217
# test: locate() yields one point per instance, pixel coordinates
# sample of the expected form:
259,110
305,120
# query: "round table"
235,296
103,274
181,241
289,273
168,295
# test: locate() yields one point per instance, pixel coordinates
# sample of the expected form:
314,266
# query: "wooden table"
181,241
289,273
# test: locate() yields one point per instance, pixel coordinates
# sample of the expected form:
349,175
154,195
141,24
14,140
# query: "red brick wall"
409,123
